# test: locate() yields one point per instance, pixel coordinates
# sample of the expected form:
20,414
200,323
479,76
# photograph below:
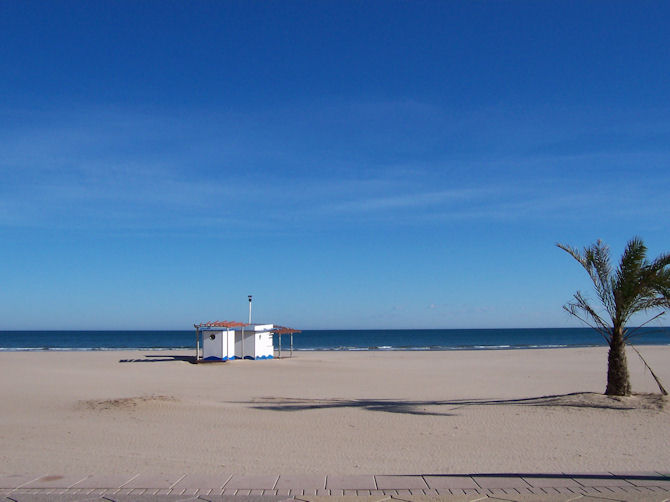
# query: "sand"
329,412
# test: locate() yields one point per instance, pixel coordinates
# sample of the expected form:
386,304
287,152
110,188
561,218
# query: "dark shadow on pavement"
553,475
573,400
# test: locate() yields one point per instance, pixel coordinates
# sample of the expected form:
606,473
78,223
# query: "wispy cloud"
408,200
124,169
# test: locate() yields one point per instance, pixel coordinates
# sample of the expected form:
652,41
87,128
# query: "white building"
224,340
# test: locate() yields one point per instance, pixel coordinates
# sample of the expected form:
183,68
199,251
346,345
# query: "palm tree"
636,286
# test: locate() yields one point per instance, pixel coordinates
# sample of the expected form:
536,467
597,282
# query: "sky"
352,165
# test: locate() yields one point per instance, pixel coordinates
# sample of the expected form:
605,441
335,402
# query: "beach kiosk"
225,340
254,341
218,344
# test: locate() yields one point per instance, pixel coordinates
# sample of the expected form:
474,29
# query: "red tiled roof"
283,330
220,324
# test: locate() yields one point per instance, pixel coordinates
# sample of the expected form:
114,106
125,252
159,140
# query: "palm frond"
661,262
603,273
595,260
630,333
628,283
643,304
658,276
582,310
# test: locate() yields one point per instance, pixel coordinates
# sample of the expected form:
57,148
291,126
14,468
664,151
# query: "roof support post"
197,343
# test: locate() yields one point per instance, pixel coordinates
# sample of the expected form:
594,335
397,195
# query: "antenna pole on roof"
249,309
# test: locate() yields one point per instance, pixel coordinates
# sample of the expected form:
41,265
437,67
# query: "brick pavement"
621,486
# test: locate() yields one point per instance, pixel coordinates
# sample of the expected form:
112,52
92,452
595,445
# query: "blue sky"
350,164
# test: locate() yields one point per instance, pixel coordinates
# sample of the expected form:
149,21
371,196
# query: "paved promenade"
646,486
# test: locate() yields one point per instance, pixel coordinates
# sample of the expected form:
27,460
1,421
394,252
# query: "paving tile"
640,475
596,498
590,490
663,483
544,497
551,482
64,491
146,498
601,487
105,481
342,498
442,498
185,492
55,481
632,474
354,482
448,481
659,489
450,491
400,482
152,480
656,497
532,491
588,474
598,481
16,480
252,482
304,481
643,476
202,481
500,482
255,498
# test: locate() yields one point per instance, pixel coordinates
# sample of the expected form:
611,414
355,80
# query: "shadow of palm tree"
436,408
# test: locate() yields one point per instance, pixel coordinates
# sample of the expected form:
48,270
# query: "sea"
340,340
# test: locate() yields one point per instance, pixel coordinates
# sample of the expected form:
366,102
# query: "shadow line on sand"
432,408
160,359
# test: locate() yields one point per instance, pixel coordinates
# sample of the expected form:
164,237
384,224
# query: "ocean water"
378,339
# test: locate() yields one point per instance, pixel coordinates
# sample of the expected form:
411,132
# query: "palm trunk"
618,381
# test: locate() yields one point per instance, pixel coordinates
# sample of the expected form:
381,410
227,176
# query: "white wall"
264,346
212,347
249,344
230,344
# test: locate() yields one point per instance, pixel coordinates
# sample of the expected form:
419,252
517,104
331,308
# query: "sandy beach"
329,412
